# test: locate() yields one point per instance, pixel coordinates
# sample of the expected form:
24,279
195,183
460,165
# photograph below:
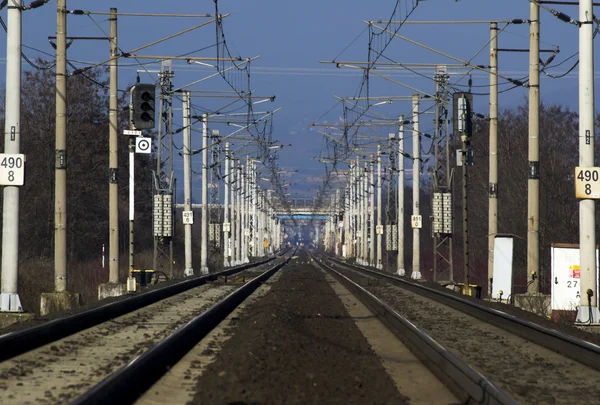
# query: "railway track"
112,354
528,362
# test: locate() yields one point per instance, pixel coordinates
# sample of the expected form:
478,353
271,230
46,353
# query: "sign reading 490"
587,182
12,169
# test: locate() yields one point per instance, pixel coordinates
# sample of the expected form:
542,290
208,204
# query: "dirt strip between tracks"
299,345
529,373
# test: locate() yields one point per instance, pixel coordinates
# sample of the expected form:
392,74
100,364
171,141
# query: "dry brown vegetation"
559,210
87,185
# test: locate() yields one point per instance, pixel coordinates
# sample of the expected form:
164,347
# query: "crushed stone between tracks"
297,345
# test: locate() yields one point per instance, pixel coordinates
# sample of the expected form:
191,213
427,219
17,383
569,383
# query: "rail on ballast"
467,384
15,343
130,382
567,345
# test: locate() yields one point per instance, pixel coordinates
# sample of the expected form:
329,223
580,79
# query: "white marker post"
9,298
587,312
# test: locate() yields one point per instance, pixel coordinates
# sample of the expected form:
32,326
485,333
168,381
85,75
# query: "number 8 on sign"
587,182
12,169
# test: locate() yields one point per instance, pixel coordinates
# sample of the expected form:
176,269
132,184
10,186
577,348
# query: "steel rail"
130,382
15,343
467,384
567,345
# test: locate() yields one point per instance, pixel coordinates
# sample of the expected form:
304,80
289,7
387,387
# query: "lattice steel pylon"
215,211
442,183
164,184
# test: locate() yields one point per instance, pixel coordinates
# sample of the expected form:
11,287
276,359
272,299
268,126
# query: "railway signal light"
142,106
341,216
463,115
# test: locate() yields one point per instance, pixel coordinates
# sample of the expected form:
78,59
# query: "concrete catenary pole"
346,220
235,211
493,174
253,193
243,215
10,301
247,196
587,312
360,214
365,214
533,182
378,262
245,231
239,185
187,181
113,159
416,261
401,269
60,183
226,220
351,197
349,215
371,194
204,230
336,224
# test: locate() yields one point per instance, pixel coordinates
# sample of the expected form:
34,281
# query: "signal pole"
533,182
416,261
9,297
465,158
587,312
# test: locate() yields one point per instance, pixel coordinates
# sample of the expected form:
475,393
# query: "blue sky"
292,37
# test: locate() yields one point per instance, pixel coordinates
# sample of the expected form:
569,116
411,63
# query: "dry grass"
37,276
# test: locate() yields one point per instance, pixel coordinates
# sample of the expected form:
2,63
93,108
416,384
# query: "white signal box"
12,169
158,215
442,213
167,215
416,221
566,277
587,182
391,237
163,215
379,229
